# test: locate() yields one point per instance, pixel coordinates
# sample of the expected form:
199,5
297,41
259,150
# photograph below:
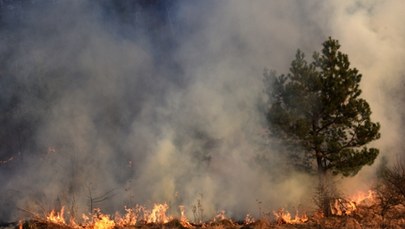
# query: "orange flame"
348,206
183,219
284,217
341,207
130,218
56,217
103,222
158,214
360,197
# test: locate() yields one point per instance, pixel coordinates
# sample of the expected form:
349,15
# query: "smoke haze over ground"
158,101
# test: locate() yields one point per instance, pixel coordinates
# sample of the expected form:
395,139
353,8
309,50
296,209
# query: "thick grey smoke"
158,102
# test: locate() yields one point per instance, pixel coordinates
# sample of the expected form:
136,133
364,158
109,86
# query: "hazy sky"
157,101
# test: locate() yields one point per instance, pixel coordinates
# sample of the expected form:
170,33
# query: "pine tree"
316,109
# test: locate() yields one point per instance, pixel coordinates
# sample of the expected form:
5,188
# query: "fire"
360,197
102,221
130,218
98,220
283,217
348,206
182,215
140,215
56,217
342,207
158,214
183,219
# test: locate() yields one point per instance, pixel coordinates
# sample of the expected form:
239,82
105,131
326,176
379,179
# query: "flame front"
140,215
132,216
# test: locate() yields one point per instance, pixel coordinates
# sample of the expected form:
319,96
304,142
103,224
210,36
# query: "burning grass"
362,210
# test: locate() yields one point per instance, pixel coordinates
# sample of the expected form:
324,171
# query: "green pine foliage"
317,111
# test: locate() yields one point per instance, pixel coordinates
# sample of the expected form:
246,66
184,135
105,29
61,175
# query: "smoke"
151,101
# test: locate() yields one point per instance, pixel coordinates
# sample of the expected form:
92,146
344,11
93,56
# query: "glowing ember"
284,217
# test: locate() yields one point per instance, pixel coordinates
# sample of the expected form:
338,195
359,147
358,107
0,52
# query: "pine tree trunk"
324,191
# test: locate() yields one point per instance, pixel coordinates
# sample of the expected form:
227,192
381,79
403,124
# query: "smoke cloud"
159,101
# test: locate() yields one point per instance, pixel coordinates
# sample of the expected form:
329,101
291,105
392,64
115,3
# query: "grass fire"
201,114
363,209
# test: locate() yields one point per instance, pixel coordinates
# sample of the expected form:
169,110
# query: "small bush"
390,188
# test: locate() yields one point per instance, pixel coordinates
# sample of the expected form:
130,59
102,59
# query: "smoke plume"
113,103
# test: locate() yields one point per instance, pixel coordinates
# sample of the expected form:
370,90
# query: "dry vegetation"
367,215
384,207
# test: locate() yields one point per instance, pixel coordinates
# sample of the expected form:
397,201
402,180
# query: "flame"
348,206
183,219
158,214
56,217
97,220
140,215
130,218
284,217
360,197
341,207
182,215
73,224
102,221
